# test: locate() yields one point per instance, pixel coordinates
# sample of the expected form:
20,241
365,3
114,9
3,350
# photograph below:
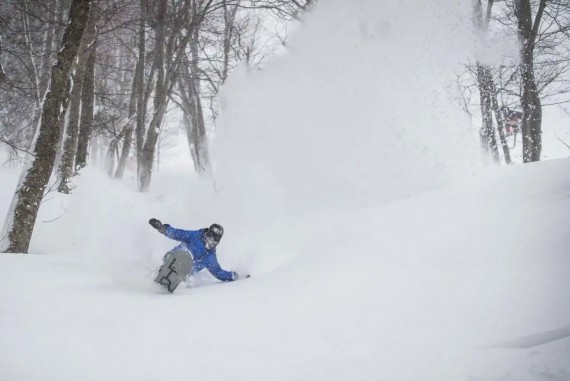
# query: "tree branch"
15,147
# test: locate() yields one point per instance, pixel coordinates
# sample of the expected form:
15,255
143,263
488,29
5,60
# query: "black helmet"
213,235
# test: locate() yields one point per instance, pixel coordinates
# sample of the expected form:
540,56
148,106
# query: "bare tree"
169,53
137,104
527,28
193,113
87,107
488,94
67,162
487,131
188,46
22,215
113,58
48,49
226,38
541,75
28,30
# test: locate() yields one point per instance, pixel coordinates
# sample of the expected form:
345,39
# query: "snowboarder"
200,246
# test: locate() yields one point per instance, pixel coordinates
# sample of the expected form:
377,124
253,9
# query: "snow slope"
378,249
424,287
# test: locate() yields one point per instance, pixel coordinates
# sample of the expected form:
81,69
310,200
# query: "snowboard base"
177,265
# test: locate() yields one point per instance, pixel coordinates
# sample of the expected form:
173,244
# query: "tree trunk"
487,90
65,170
200,137
150,145
2,72
59,31
48,48
532,113
500,126
35,77
110,159
489,141
125,151
191,105
141,98
160,100
189,130
127,137
197,139
87,107
167,75
530,100
66,164
33,67
22,215
230,12
137,94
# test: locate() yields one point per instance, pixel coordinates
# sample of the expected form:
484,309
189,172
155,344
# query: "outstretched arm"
216,270
178,234
170,232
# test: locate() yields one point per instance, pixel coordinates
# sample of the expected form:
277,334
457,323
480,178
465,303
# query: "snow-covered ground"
427,287
348,183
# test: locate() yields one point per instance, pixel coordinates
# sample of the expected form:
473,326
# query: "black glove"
157,225
237,276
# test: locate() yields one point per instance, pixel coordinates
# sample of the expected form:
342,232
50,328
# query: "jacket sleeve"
216,270
178,234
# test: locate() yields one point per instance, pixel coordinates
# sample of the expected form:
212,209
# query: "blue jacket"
191,241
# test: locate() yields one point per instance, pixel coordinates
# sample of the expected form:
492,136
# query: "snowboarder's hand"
240,276
157,225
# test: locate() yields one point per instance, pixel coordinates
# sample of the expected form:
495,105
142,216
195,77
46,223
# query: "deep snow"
378,248
423,287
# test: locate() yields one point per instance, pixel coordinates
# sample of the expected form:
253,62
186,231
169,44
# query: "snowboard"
177,265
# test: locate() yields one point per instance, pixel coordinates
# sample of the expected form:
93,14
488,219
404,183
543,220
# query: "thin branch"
122,42
563,142
13,146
